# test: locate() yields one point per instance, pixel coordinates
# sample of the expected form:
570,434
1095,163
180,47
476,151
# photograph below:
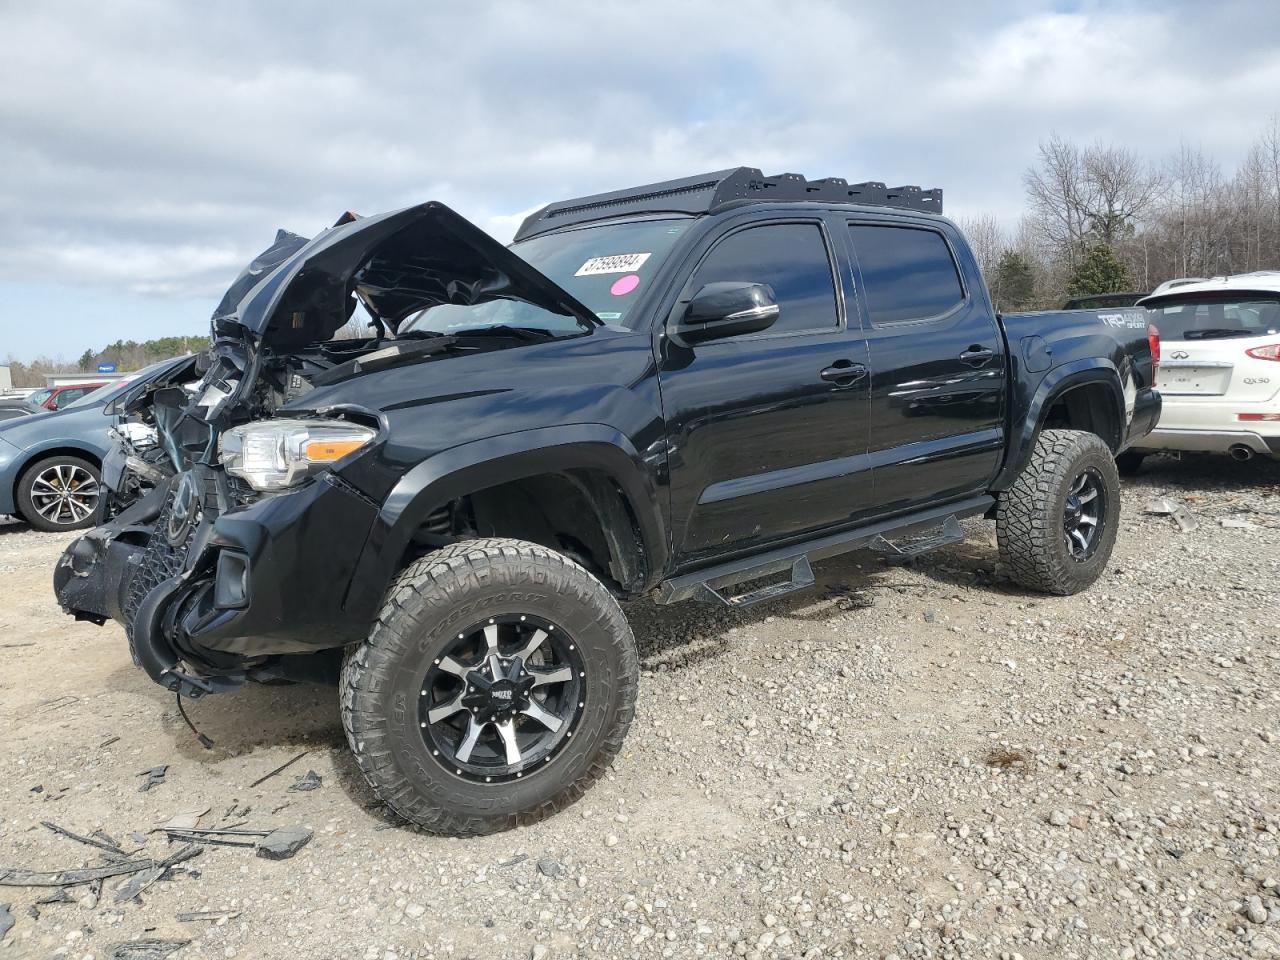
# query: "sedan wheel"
60,493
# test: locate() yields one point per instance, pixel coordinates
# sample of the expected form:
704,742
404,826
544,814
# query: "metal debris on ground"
307,782
140,881
1235,523
155,777
12,877
283,843
1184,518
210,915
110,848
518,858
147,949
549,868
280,769
6,919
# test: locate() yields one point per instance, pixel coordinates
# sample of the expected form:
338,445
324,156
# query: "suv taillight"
1153,341
1270,352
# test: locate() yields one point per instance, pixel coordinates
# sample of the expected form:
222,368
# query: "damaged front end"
230,537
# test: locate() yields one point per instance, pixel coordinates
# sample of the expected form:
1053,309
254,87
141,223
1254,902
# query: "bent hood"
300,291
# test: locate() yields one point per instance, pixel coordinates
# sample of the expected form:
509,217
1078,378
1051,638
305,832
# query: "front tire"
496,686
1056,526
60,493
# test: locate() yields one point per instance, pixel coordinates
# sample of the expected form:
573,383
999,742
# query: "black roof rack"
704,194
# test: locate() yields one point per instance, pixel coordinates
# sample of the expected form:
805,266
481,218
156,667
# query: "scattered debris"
219,838
58,896
110,848
1002,758
57,703
146,949
280,769
6,919
1184,518
283,843
549,868
307,782
108,742
38,788
155,777
1235,523
184,821
518,858
140,881
70,878
11,646
209,915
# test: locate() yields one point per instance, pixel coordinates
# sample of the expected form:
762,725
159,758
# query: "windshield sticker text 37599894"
617,263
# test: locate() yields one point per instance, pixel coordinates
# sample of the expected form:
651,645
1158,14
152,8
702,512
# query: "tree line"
127,355
1102,218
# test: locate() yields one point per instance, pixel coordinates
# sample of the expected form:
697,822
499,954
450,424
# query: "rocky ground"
903,762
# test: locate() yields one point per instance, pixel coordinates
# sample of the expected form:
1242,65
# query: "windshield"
39,397
1217,319
110,391
606,267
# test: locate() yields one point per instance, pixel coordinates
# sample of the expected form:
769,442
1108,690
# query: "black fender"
1026,423
463,469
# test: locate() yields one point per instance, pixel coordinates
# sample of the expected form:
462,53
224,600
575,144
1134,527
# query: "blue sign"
106,368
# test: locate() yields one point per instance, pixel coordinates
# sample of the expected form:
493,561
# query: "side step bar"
712,583
904,551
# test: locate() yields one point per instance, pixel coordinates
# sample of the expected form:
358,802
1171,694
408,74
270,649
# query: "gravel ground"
903,762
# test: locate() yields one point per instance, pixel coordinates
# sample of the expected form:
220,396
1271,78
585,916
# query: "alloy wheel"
503,698
65,494
1083,514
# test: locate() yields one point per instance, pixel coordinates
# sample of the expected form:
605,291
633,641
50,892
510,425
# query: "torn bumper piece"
262,581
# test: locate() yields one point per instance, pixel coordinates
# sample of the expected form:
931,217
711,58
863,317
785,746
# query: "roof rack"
706,193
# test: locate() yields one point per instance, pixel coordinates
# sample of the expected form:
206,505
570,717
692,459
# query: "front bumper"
256,582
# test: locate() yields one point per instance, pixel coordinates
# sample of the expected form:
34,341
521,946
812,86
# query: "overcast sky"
147,150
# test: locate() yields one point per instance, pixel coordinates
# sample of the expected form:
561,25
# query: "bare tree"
986,237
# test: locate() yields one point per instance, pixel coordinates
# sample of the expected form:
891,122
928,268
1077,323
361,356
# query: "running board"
711,583
904,551
801,576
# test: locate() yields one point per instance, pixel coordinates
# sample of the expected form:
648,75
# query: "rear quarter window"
908,273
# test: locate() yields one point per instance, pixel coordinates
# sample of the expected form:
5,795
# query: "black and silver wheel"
1056,525
60,493
497,684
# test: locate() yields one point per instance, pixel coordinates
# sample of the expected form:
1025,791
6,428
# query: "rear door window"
792,258
908,273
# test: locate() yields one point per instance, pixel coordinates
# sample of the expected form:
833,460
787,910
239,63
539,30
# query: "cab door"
767,432
938,365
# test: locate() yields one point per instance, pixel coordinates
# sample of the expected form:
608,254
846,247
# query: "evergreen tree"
1099,272
1013,285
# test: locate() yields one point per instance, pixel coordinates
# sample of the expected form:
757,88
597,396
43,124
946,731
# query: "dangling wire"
204,741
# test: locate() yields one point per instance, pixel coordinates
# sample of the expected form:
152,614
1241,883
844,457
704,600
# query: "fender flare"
1052,387
34,454
459,470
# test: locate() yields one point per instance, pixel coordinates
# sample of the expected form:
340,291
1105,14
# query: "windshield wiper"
1215,333
535,334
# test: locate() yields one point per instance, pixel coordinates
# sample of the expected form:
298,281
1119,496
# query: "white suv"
1219,367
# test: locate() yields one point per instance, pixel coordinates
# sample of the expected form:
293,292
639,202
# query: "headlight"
275,454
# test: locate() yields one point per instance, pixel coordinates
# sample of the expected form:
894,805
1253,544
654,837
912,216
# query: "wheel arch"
1084,395
58,449
594,460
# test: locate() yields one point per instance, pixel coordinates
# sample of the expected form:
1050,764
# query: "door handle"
844,372
977,355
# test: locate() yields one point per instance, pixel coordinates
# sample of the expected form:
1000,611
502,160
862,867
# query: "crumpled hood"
298,291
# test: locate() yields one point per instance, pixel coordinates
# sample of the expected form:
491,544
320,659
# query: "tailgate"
1217,368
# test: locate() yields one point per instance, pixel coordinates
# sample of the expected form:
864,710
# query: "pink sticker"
624,285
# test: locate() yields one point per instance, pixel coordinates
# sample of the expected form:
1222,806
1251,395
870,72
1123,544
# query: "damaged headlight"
275,454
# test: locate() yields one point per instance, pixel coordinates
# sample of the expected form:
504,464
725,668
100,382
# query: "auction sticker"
618,263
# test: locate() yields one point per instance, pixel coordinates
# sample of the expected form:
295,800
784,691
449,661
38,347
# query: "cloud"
148,149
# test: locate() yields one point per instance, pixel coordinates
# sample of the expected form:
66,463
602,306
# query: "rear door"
938,364
767,432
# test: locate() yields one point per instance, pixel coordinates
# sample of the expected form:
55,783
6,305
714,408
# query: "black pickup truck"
690,389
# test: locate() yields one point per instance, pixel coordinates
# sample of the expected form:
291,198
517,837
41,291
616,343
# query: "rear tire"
584,678
1129,463
1045,542
60,493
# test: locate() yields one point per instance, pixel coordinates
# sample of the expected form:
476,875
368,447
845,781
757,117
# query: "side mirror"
726,309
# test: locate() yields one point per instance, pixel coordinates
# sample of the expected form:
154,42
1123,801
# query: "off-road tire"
26,506
1029,515
426,604
1129,463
